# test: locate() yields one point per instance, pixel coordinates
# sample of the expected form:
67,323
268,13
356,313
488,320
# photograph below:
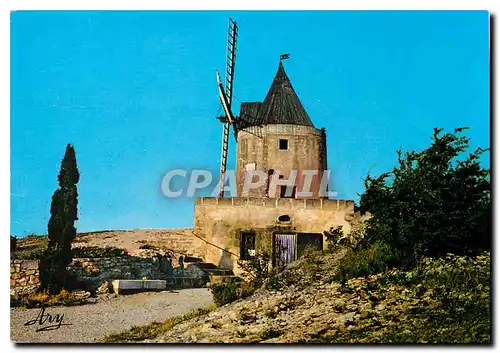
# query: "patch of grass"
31,254
155,329
43,299
276,283
448,300
364,262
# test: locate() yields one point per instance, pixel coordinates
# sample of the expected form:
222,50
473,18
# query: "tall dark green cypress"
61,228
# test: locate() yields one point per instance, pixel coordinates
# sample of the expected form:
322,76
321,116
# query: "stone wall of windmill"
223,223
287,147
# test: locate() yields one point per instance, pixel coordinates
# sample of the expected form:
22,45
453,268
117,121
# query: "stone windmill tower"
284,140
276,137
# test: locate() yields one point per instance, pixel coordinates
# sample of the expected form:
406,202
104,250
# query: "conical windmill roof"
282,105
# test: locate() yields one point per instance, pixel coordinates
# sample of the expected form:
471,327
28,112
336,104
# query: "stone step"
219,272
223,278
132,285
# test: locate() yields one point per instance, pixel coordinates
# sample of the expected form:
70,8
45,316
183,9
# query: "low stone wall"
24,275
91,273
97,270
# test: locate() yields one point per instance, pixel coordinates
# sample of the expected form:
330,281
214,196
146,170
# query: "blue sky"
135,92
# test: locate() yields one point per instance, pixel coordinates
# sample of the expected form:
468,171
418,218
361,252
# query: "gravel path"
93,321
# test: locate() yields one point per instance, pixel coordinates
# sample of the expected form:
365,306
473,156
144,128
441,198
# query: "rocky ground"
133,240
90,322
383,308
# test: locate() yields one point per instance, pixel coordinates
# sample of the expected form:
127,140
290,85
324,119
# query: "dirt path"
92,321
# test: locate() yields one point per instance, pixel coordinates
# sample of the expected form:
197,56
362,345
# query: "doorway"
311,240
284,249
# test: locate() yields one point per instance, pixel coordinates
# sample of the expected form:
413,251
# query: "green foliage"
44,299
257,269
96,252
306,270
13,243
463,286
276,283
431,203
30,254
225,293
61,230
358,263
155,329
333,237
444,300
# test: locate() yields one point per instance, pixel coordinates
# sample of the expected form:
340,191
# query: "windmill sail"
226,97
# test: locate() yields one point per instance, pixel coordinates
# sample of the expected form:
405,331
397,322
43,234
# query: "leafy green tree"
432,202
61,227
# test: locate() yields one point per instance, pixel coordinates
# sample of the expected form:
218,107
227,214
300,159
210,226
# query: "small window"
283,144
284,218
247,246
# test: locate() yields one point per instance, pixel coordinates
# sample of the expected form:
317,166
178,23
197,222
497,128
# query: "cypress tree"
61,227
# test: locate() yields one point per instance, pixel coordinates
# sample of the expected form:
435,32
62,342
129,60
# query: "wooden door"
285,249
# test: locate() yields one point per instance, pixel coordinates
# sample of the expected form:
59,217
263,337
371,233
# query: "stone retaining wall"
24,274
90,272
98,270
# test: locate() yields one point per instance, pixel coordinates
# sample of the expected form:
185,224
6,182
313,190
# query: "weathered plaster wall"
220,221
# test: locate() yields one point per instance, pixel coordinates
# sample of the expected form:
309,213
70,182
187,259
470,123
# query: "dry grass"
43,299
155,329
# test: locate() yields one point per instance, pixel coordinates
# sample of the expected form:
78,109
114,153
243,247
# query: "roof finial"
284,57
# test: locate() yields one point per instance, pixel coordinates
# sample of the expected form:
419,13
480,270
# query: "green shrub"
95,251
450,303
225,293
333,237
276,283
358,263
257,269
431,203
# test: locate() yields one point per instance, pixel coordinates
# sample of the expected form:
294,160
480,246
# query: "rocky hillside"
135,242
444,301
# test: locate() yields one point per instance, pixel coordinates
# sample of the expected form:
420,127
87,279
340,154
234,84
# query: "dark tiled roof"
281,105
